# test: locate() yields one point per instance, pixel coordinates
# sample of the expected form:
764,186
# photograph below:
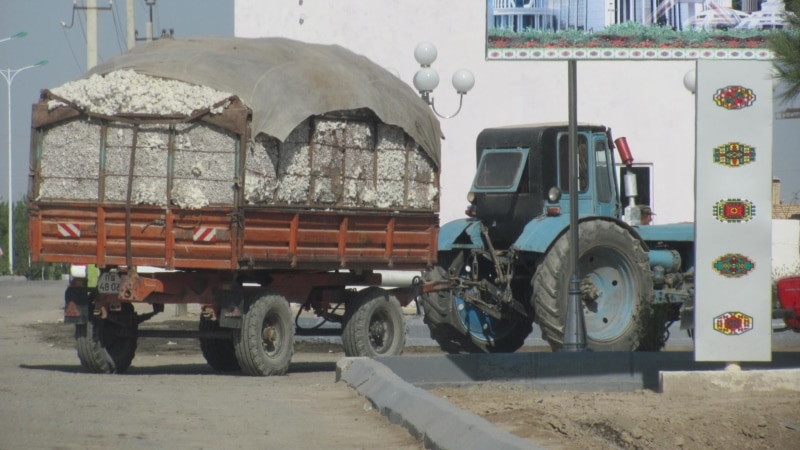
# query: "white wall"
785,248
644,101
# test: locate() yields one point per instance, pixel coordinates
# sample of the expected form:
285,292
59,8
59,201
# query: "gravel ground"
636,420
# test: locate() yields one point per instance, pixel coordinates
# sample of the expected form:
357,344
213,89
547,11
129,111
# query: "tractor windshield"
500,170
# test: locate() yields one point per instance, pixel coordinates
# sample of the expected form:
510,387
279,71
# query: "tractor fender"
542,232
460,233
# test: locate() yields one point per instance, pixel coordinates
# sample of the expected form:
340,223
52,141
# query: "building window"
644,184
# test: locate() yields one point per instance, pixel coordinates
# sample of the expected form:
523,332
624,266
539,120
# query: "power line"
117,26
72,50
92,50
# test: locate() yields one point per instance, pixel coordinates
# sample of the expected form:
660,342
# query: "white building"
644,101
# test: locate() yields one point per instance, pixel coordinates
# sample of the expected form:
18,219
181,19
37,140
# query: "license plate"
108,283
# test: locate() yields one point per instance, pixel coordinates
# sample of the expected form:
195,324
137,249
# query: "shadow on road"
185,369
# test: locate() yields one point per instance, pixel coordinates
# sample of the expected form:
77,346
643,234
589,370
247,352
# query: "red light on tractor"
553,210
624,151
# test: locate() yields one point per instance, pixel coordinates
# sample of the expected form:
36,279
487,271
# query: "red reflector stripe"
205,234
69,230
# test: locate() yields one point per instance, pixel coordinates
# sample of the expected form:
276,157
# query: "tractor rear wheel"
616,290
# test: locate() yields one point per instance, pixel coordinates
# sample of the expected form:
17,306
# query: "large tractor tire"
220,354
108,345
459,327
374,324
616,290
265,343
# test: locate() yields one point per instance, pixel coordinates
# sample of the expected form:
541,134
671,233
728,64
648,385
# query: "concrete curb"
580,371
396,385
731,381
433,421
12,278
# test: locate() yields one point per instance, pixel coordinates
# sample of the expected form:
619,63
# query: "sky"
65,50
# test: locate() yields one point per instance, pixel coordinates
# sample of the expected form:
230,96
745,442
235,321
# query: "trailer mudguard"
76,304
231,307
459,234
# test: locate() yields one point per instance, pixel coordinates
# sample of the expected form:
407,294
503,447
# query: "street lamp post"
9,75
426,79
18,35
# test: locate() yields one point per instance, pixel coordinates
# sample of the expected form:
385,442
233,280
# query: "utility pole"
91,9
91,34
131,24
149,26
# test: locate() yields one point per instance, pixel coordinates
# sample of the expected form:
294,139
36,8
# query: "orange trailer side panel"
272,238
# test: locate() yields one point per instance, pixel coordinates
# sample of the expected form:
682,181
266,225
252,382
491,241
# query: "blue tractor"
506,265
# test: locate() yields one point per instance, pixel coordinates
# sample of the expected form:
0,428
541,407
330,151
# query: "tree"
4,269
22,262
21,247
785,44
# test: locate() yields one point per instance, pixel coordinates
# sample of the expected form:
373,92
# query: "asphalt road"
168,399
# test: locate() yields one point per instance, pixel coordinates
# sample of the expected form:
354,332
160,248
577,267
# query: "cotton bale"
70,161
261,170
204,165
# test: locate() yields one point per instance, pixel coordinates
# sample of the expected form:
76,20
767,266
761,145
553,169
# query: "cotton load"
336,159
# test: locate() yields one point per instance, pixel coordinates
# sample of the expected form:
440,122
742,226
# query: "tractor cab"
523,174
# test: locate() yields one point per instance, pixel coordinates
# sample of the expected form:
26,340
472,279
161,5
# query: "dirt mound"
636,420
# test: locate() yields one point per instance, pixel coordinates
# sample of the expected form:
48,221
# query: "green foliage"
630,34
785,44
22,262
4,238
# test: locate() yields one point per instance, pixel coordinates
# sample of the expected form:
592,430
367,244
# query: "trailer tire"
108,345
616,273
374,324
265,343
220,354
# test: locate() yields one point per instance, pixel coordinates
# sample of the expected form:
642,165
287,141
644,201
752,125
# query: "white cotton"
128,92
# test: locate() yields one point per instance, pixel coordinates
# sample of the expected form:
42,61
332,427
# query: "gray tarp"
284,81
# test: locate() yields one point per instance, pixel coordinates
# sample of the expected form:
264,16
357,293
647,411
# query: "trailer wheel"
458,326
220,354
108,345
374,324
616,290
265,342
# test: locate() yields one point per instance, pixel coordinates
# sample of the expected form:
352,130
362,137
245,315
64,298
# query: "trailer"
255,174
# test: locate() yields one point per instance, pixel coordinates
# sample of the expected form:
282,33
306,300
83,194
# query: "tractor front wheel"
458,326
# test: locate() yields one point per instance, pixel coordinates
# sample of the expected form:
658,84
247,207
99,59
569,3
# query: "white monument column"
733,211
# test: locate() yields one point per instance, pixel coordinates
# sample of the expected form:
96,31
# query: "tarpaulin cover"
284,81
